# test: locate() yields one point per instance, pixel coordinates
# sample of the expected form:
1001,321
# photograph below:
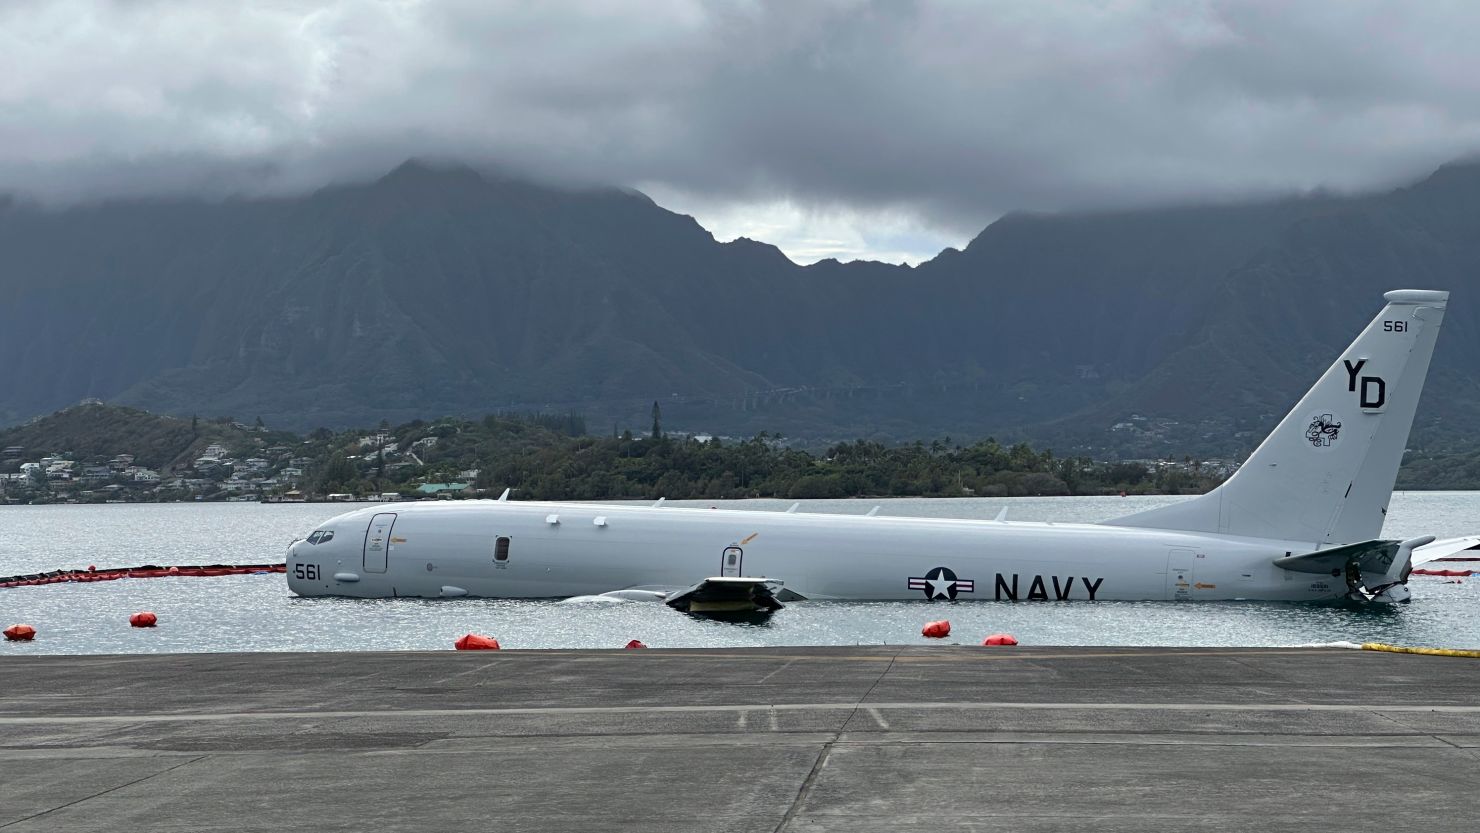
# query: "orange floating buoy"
174,571
635,644
92,568
1000,639
936,630
20,633
143,619
476,642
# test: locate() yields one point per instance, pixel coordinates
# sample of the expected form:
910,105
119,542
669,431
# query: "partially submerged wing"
717,595
732,595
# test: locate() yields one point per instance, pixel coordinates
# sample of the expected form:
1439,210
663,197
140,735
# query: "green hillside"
439,291
95,431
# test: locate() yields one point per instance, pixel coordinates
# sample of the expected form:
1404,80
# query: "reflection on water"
256,613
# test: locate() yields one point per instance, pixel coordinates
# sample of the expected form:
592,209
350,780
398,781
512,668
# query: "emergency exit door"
378,541
1179,574
729,564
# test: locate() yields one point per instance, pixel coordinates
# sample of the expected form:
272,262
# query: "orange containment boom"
147,571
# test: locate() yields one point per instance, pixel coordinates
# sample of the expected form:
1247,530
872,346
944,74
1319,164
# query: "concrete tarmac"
818,739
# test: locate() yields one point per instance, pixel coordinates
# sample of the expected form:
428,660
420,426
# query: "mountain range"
438,289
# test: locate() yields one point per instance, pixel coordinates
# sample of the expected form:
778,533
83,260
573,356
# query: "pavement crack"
104,792
1395,721
863,698
827,748
807,784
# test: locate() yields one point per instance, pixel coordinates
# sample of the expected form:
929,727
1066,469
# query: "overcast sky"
847,129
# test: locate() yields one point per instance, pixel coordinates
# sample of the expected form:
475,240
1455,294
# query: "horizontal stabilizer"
1370,555
1447,548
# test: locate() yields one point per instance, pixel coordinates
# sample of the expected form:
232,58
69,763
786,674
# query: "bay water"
257,613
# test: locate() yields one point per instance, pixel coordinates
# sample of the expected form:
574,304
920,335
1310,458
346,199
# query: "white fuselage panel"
498,549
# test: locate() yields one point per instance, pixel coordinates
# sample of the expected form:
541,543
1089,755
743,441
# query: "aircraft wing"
719,595
723,595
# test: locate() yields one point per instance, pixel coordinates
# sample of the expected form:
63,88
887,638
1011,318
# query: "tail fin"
1326,472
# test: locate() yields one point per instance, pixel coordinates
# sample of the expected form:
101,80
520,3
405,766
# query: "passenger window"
501,549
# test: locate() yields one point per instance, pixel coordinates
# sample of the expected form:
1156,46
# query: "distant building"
444,489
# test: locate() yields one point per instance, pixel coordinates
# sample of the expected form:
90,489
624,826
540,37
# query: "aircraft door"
1179,575
378,541
729,563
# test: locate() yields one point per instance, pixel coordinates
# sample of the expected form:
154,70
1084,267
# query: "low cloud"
810,119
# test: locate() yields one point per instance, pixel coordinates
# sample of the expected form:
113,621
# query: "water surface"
257,613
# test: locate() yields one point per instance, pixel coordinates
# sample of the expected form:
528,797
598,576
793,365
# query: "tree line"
547,458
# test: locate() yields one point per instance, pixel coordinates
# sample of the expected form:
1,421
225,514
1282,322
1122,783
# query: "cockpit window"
320,536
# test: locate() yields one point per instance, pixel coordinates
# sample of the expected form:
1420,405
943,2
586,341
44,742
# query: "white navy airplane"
1300,521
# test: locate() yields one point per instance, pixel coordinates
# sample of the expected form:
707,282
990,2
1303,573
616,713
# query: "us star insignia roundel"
941,583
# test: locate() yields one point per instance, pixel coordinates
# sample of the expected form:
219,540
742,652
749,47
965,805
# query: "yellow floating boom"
1432,652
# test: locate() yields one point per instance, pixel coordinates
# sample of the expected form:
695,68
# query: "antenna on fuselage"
792,508
659,502
504,498
874,511
1001,516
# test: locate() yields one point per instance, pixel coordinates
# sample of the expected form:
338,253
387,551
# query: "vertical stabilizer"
1326,472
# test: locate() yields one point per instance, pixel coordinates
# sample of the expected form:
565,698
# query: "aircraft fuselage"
498,549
